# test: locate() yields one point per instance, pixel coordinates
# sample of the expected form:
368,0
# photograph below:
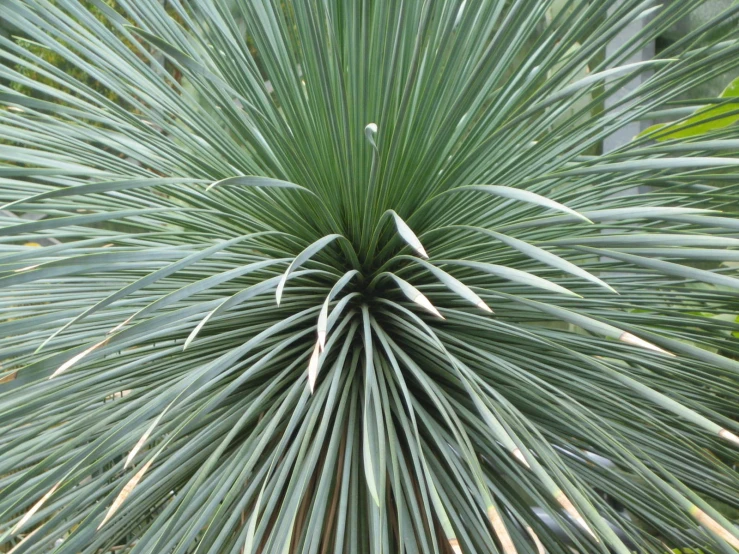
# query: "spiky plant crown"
348,276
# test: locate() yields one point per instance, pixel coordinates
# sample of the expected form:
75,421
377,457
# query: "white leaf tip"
36,507
501,531
484,307
573,513
213,184
520,457
119,326
534,537
313,367
628,338
74,359
369,132
714,526
729,436
127,490
27,268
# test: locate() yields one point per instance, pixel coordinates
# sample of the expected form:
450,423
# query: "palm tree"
341,276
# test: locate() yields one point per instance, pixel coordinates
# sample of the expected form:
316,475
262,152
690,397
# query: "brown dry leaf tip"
36,507
520,457
574,514
728,435
454,543
74,359
8,378
313,367
500,530
127,490
426,304
534,537
706,520
628,338
484,307
144,438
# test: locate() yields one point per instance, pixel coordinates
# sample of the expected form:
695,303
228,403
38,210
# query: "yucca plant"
340,276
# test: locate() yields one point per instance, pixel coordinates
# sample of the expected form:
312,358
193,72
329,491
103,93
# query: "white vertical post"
629,131
625,134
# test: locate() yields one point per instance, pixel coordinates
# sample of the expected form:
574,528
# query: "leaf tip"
127,490
426,304
520,457
313,367
537,542
74,359
119,326
704,519
501,531
566,503
369,132
729,436
27,268
633,340
484,307
36,507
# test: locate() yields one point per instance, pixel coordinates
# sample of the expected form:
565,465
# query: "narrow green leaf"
523,196
301,258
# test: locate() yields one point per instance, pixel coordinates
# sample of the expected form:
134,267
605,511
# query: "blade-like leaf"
523,195
300,259
408,235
